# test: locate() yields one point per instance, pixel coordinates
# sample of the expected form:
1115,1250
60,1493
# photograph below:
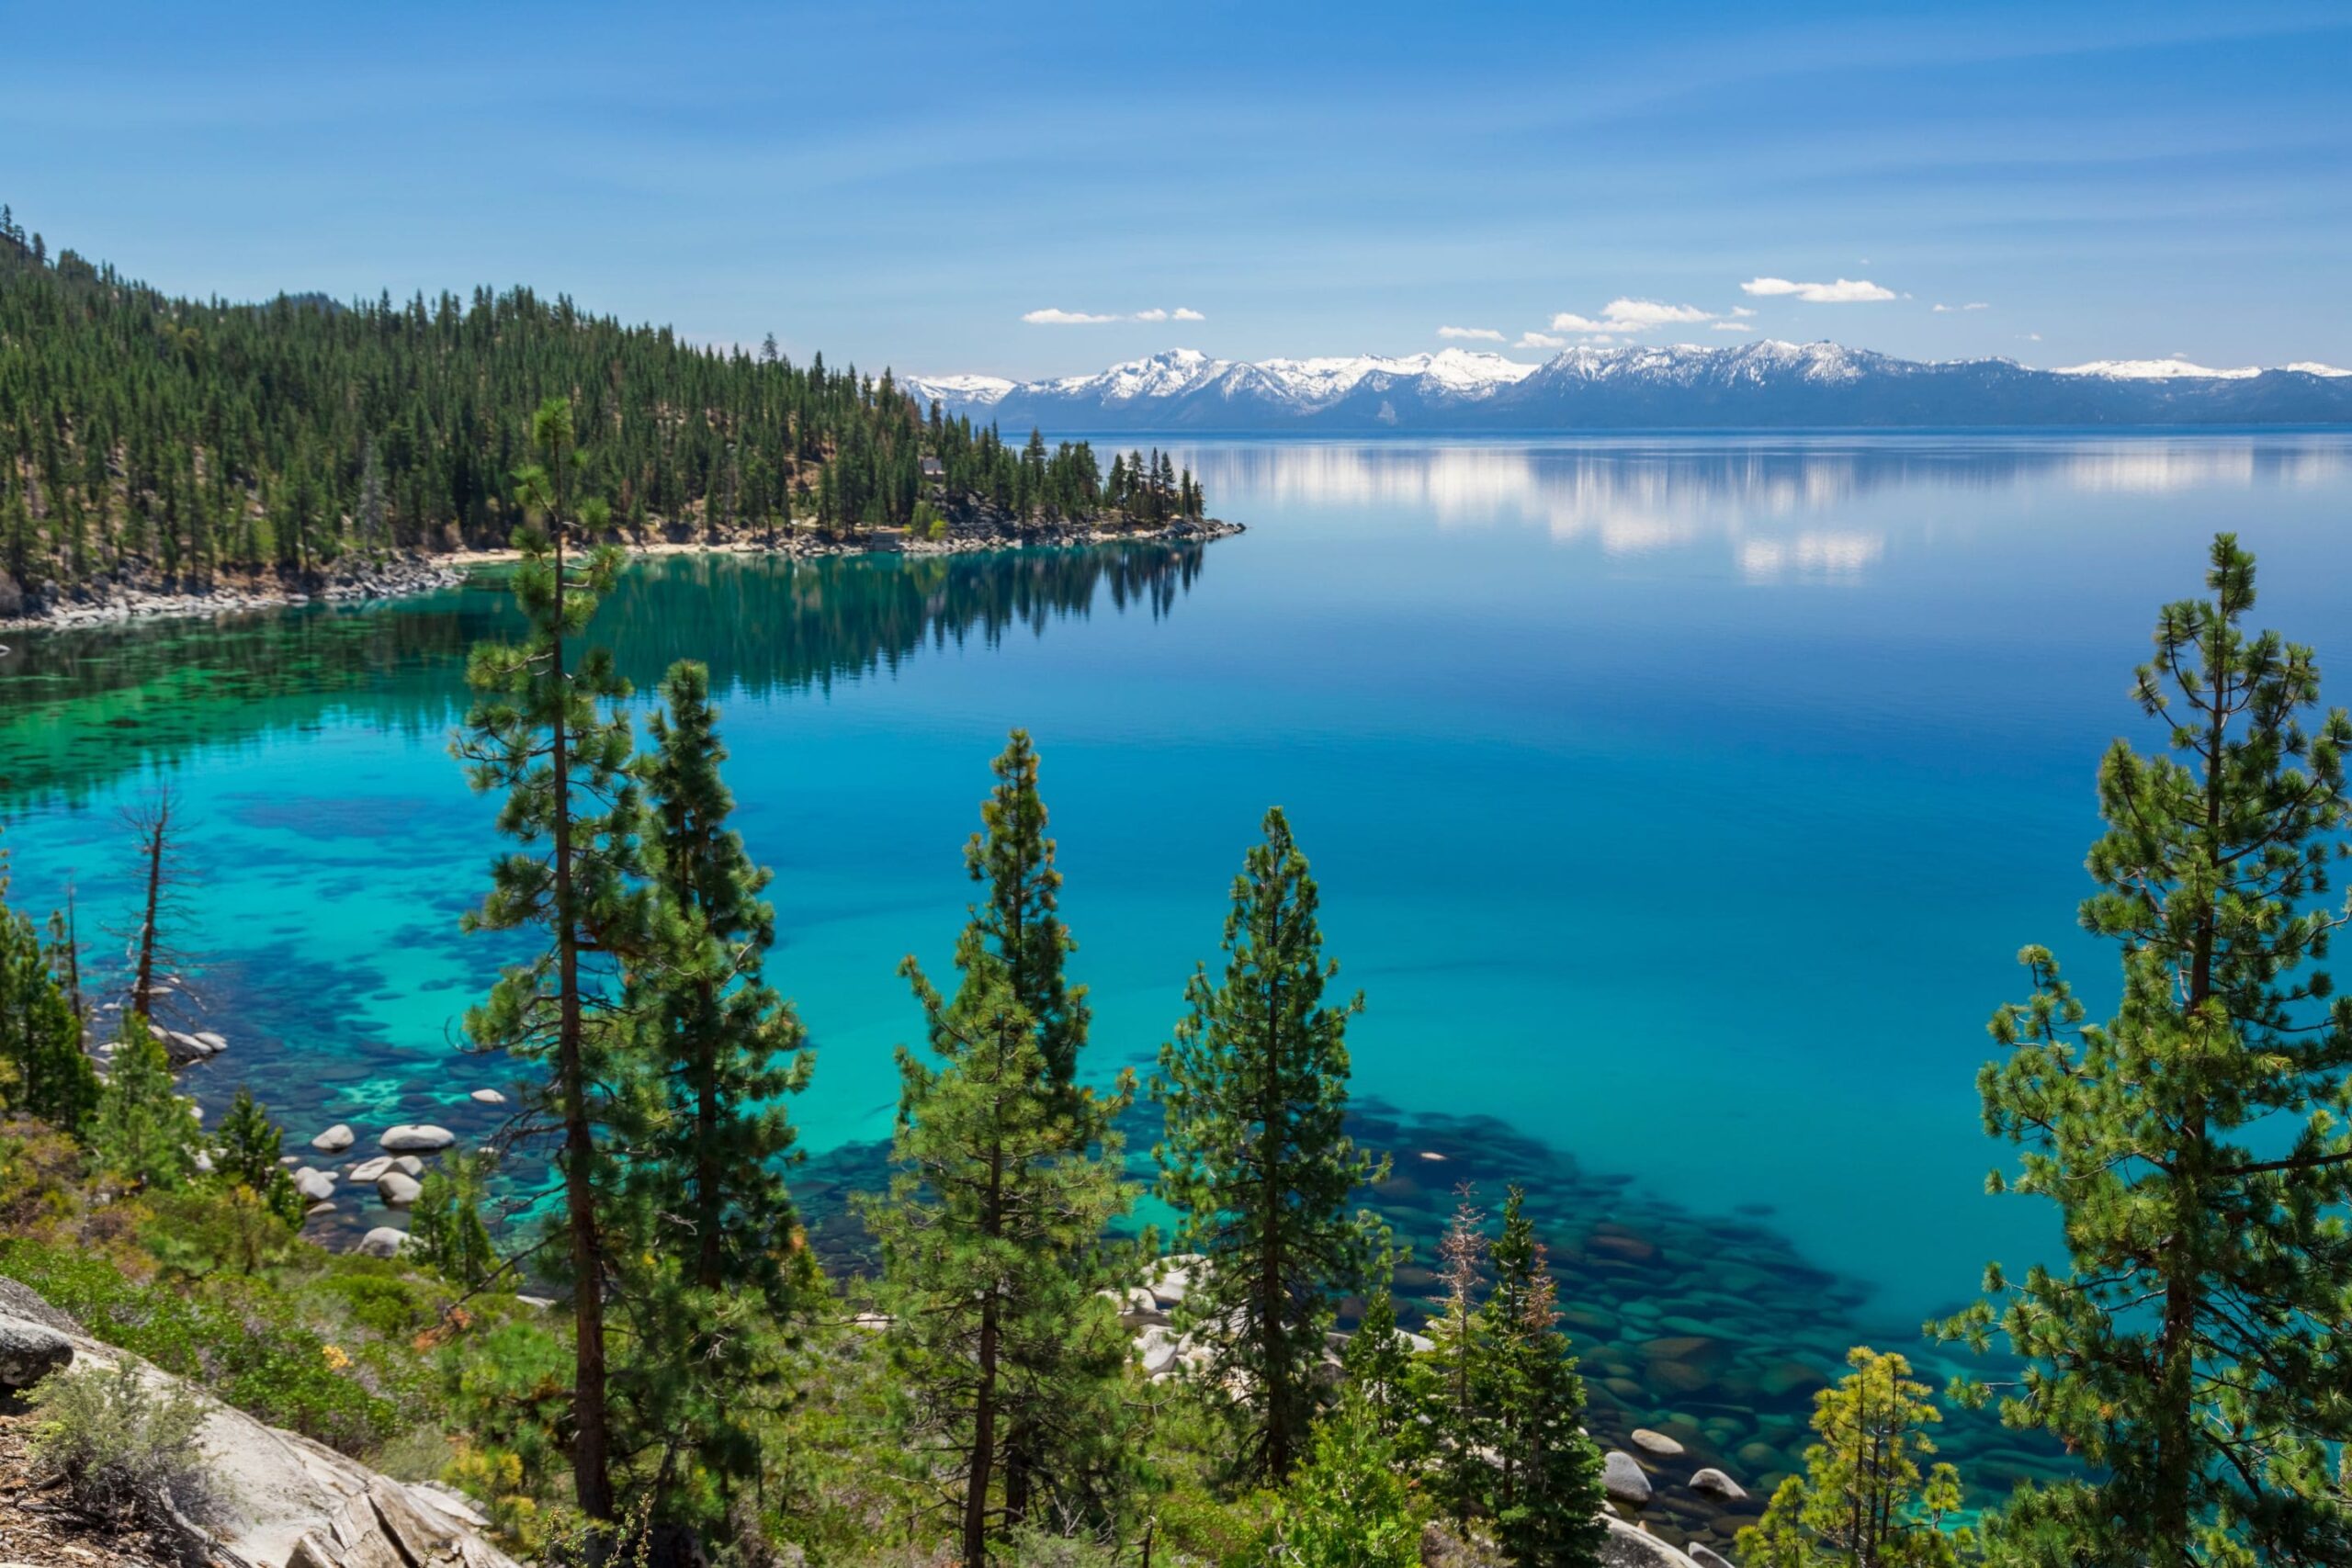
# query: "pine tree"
2196,1146
1019,922
245,1154
1450,1397
720,1245
728,1049
1255,1160
445,1230
1003,1187
536,731
1544,1488
1863,1499
143,1133
43,1070
1378,1364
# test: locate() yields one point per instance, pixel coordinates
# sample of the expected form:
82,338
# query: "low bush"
125,1445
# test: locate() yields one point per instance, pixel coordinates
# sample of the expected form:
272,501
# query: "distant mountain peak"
1767,383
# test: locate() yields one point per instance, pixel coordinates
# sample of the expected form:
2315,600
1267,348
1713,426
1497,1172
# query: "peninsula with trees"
166,453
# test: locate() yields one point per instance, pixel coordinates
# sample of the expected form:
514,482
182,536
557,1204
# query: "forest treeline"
185,439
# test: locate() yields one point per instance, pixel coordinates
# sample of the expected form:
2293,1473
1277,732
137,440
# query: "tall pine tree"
44,1072
1543,1476
719,1260
1003,1187
1255,1160
1019,920
536,730
2197,1145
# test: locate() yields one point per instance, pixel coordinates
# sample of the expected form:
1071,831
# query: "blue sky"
903,185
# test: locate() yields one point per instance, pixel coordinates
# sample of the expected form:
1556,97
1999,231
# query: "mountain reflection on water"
1772,501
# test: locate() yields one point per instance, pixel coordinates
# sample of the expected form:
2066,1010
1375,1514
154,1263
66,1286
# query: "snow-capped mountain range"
1684,386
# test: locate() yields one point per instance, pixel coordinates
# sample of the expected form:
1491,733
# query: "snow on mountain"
2154,370
966,390
1765,384
2313,368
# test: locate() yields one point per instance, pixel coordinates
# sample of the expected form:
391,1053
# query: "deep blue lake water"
1679,804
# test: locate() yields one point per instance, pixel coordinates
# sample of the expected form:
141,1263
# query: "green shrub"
241,1337
126,1444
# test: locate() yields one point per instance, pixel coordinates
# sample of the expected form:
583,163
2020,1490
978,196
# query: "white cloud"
1052,318
1625,317
1635,315
1478,334
1845,291
1740,313
1733,327
1954,310
1540,340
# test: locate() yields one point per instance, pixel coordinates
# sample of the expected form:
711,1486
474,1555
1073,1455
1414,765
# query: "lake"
1680,806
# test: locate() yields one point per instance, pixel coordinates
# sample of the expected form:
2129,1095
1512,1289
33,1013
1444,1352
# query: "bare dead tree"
159,969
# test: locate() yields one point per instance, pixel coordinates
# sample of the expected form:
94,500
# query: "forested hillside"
155,437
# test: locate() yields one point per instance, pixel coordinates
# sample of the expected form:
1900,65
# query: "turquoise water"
1679,805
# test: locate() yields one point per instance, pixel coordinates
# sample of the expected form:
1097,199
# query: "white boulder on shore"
419,1138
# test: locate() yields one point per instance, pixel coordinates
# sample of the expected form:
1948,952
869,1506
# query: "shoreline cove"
401,577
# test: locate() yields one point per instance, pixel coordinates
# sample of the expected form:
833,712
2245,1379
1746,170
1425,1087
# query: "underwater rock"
1622,1478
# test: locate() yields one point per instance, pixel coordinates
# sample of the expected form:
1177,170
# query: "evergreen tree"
1862,1500
537,732
1019,920
1544,1489
43,1070
1378,1364
1003,1190
245,1154
445,1230
727,1049
720,1249
2196,1146
142,1134
1450,1397
1255,1160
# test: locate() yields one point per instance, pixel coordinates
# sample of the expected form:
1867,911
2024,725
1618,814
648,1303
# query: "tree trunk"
143,985
1269,1240
591,1474
710,1209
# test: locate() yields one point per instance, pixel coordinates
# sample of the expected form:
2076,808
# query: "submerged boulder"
384,1241
398,1189
1624,1479
1715,1484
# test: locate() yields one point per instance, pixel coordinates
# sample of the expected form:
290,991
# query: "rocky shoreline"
113,601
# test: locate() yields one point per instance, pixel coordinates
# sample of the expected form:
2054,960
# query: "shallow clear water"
1680,803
